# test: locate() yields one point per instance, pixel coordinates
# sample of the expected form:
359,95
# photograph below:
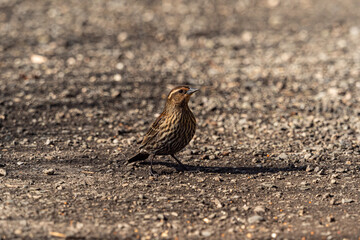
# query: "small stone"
283,156
218,203
259,209
233,209
204,156
212,157
307,156
269,185
101,140
201,179
117,77
165,234
341,43
246,36
354,31
141,196
330,219
225,153
2,172
71,61
301,212
347,200
218,179
122,36
309,169
206,233
305,188
194,233
231,230
321,172
115,93
327,195
211,216
340,170
333,202
206,220
38,59
273,3
255,219
335,176
119,66
161,217
49,171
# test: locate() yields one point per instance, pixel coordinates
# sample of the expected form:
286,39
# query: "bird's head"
180,95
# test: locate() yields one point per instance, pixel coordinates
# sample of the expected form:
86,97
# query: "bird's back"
170,133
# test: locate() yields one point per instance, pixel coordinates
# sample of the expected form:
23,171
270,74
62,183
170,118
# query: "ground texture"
276,153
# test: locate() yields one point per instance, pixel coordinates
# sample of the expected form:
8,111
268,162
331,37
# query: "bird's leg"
152,172
182,165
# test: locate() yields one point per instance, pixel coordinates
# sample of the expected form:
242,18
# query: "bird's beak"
191,91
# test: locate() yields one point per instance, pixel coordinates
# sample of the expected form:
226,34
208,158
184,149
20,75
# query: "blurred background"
264,59
248,57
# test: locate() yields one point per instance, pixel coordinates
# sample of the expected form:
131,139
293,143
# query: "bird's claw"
153,173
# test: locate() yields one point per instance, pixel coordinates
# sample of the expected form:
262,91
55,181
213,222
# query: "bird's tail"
138,157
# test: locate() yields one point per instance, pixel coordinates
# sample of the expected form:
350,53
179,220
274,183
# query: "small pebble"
49,171
259,209
283,156
218,203
330,219
309,169
206,233
255,219
2,172
347,200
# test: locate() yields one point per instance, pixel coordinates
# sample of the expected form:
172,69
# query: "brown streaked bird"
172,130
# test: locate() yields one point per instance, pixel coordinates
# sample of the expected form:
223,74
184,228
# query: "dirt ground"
276,154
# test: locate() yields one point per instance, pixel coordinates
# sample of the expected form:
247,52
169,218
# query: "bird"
171,131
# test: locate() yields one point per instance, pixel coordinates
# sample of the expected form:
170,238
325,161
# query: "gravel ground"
276,153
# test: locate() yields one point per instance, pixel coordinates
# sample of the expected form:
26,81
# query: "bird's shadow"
228,170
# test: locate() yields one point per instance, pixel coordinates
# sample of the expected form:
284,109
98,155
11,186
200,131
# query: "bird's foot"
153,173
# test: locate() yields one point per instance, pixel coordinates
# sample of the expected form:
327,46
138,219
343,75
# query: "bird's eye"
181,91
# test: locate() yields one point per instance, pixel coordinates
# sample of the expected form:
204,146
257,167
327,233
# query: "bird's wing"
153,130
